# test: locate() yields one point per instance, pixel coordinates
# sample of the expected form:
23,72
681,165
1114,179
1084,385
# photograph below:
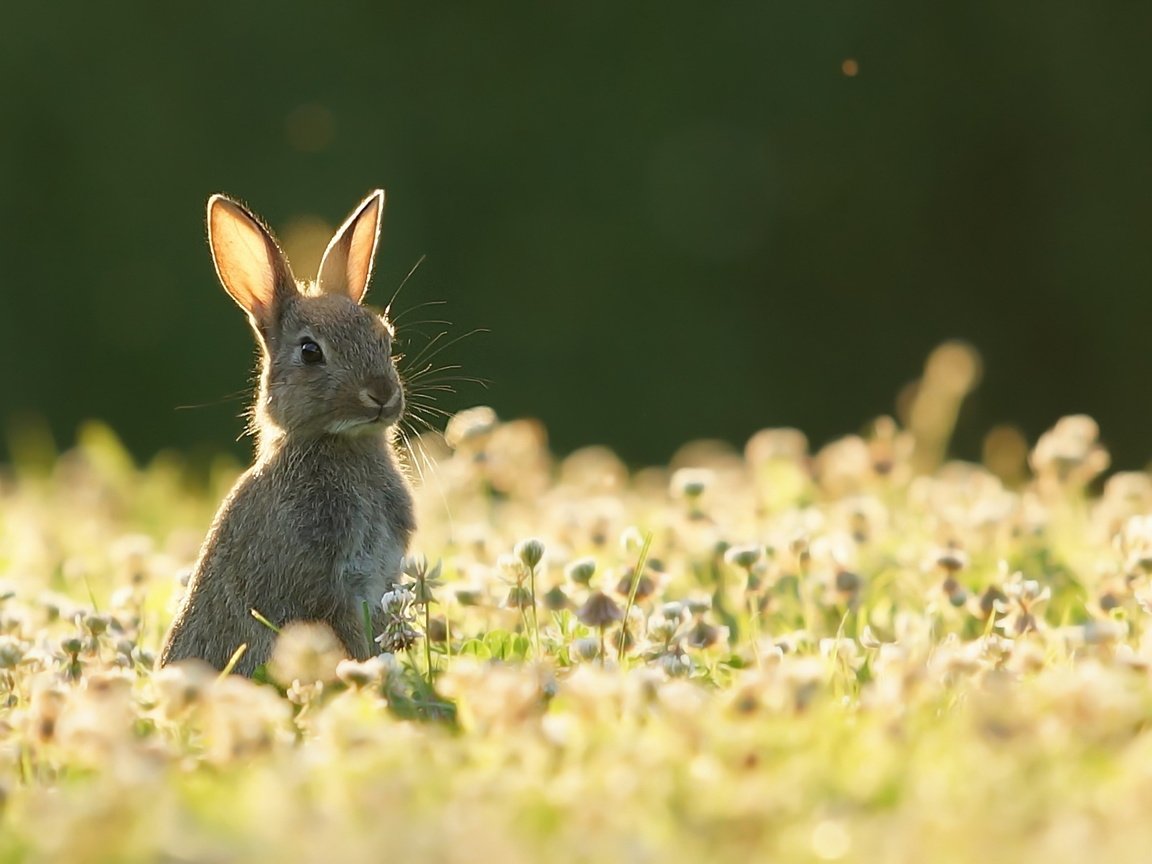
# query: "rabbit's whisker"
404,282
432,388
230,397
429,369
419,357
424,356
410,326
431,410
411,309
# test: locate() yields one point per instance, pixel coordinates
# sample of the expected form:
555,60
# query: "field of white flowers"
862,653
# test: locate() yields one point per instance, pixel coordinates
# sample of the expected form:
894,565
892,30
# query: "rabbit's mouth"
388,414
366,425
379,410
390,411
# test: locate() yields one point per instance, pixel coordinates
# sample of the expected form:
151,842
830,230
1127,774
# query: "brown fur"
319,524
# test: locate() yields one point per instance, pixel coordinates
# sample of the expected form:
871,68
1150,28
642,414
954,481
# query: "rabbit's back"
215,615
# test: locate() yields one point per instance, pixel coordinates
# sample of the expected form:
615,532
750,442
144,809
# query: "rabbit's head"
327,365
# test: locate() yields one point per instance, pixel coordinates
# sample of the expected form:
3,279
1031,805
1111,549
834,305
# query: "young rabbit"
319,524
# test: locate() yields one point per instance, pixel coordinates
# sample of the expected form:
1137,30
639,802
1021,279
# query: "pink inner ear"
347,264
363,249
245,256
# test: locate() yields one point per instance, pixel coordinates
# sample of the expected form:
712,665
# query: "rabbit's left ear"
346,266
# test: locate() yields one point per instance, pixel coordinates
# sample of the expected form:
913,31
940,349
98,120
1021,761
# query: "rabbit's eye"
310,352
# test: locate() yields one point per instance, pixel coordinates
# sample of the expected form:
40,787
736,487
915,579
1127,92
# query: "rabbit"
319,525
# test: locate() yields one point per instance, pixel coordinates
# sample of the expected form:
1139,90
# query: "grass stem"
632,588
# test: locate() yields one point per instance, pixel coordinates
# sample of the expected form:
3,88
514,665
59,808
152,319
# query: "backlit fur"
319,524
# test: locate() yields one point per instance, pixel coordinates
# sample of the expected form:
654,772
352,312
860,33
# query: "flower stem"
427,639
636,574
535,618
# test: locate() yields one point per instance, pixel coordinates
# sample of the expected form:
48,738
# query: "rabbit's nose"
380,392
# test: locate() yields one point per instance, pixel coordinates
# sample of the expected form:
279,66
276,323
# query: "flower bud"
743,556
580,572
531,552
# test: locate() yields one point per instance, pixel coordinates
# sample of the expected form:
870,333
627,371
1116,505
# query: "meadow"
860,651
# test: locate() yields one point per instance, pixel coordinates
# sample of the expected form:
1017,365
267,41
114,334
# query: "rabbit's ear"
347,263
250,265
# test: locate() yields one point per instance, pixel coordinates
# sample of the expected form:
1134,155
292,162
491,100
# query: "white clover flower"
470,425
662,628
305,651
586,648
675,664
400,629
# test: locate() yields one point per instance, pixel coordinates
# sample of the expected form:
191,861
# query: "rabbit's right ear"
248,261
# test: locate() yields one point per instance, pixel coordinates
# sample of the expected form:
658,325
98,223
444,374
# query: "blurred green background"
676,219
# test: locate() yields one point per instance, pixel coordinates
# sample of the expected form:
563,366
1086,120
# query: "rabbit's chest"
369,558
348,529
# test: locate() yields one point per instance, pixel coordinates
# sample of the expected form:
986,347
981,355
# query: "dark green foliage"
693,198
